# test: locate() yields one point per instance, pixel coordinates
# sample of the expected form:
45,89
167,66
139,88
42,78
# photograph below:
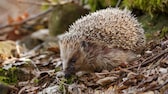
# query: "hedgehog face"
72,63
71,57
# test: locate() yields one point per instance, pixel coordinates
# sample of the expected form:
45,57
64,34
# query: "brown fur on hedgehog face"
90,56
72,57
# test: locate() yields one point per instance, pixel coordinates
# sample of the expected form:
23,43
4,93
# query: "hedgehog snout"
67,75
69,71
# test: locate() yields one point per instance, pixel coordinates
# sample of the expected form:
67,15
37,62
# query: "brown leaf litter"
42,68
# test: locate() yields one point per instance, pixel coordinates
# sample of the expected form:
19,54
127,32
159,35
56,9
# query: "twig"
49,3
29,19
116,72
112,72
157,63
21,91
30,62
126,70
33,50
37,3
18,48
30,2
149,59
161,86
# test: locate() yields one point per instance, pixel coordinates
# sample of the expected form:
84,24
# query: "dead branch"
149,59
29,19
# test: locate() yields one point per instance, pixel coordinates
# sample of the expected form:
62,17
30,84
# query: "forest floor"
30,64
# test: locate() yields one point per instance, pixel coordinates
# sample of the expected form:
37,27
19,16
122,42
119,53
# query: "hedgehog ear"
87,46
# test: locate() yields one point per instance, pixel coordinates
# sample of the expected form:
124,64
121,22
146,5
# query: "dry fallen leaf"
112,90
74,89
106,80
164,89
163,70
50,90
7,50
148,92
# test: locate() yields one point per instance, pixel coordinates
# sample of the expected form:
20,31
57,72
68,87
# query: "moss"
61,85
149,6
99,4
57,69
36,81
154,24
164,32
9,76
70,80
13,75
64,81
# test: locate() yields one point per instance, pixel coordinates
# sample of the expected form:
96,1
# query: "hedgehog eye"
73,60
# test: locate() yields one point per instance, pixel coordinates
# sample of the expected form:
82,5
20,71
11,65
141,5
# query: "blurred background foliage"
152,14
99,4
149,6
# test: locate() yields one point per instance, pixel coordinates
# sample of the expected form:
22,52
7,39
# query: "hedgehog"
100,41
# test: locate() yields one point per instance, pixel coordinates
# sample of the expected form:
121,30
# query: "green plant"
149,6
164,32
63,83
9,76
99,4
